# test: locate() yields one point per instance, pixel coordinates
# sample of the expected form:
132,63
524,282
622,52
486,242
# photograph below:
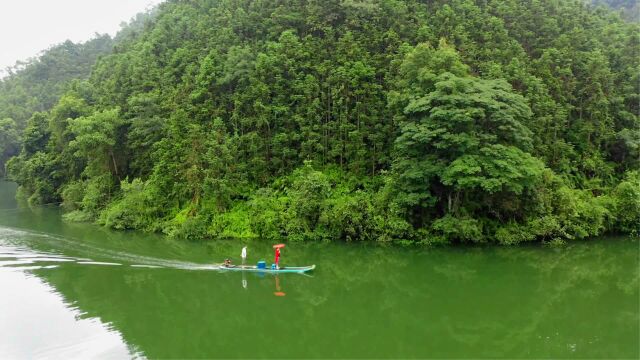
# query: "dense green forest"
630,9
37,84
376,120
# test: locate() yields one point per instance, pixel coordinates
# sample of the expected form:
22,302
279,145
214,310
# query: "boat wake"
26,249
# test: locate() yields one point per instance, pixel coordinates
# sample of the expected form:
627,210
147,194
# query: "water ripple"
14,253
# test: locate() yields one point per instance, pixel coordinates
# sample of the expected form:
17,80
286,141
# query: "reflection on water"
35,322
129,294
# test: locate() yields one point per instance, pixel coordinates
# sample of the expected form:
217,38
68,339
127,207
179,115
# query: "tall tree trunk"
115,166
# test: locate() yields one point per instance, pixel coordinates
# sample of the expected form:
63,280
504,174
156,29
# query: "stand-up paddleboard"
253,268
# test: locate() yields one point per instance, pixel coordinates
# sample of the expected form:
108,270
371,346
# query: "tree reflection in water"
579,300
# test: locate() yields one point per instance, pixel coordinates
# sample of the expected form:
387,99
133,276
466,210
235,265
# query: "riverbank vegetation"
384,120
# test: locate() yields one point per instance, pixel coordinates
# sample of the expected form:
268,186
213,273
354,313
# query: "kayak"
253,268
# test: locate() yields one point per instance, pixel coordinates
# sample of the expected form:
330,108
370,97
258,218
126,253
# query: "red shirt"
277,255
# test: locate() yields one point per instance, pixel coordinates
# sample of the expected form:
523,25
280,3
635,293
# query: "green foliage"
36,135
630,9
325,205
237,224
35,85
99,191
267,214
459,228
349,216
135,208
70,107
626,196
496,168
95,139
36,176
72,195
461,154
9,142
514,233
193,228
390,121
580,215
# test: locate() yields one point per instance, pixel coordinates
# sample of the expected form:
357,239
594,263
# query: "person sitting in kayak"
227,262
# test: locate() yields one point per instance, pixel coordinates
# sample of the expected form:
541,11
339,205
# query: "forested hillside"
37,84
630,8
381,120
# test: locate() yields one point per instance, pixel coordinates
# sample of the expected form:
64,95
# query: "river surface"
80,291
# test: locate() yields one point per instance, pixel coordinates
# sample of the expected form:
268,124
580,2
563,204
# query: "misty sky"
30,26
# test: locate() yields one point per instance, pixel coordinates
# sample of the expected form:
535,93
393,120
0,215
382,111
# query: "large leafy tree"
96,140
463,150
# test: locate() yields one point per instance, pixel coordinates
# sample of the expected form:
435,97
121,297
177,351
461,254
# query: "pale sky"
30,26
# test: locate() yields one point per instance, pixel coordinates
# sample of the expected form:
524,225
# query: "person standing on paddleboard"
277,258
243,255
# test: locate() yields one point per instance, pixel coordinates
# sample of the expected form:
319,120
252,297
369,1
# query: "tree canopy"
383,120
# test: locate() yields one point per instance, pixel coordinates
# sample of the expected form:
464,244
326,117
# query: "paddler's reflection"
278,290
244,281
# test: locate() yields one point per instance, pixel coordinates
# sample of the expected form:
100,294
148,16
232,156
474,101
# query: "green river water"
81,291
